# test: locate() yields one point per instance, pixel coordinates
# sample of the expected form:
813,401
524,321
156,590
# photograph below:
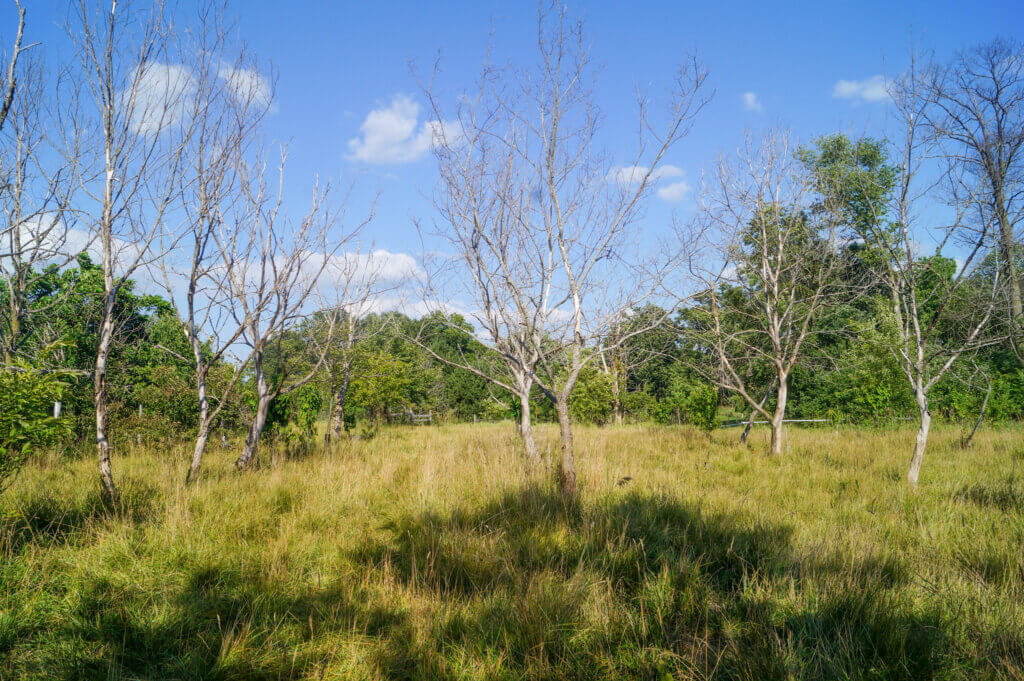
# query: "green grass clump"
430,553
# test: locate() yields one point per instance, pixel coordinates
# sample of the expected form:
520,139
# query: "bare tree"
226,102
975,113
768,271
359,281
35,194
10,85
619,360
940,310
122,120
278,269
542,225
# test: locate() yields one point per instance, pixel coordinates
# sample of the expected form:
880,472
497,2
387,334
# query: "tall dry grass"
432,553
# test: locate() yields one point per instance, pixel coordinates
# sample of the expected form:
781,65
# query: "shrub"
26,417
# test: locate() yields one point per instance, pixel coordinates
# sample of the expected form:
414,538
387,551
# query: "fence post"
56,410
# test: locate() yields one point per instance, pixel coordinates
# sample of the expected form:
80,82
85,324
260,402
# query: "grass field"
428,553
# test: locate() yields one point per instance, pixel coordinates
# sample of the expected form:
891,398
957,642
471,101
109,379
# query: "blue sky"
768,63
337,62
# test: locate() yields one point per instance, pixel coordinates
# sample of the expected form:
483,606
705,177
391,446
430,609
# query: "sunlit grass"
432,553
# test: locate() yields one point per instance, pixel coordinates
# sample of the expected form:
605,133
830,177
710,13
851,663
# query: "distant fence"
411,417
743,422
732,424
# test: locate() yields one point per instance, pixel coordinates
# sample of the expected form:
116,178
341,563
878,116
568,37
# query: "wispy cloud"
393,134
871,89
751,102
247,85
156,96
627,175
675,192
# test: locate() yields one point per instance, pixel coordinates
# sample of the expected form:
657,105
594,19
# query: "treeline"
394,367
858,280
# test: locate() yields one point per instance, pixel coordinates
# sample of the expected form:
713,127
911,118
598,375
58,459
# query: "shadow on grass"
1004,497
527,587
645,587
54,519
226,625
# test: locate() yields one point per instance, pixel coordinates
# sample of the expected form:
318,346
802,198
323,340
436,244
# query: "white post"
56,410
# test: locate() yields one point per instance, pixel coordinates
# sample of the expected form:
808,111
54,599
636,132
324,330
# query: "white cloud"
247,85
394,135
872,89
674,192
751,102
627,175
380,265
156,97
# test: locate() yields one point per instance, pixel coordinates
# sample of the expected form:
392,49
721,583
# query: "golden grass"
431,552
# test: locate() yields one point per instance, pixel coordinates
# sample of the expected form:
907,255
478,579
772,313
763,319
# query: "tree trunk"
203,436
922,439
981,415
779,416
252,440
754,413
616,395
1006,246
337,428
259,421
526,431
100,402
567,477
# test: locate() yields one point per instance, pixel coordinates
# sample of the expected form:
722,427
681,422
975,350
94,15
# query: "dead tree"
359,281
11,77
767,275
227,101
36,188
122,122
940,310
975,115
278,269
543,227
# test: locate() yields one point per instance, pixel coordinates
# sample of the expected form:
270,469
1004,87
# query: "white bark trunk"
568,463
259,421
922,439
100,402
779,416
526,431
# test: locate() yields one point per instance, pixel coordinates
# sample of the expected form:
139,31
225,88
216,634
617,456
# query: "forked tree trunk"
252,439
779,417
616,396
754,413
1007,246
922,439
100,403
337,427
202,437
567,471
981,416
259,421
526,431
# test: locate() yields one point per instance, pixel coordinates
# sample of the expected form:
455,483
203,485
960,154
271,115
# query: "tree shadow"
644,587
50,519
525,587
1003,497
223,624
